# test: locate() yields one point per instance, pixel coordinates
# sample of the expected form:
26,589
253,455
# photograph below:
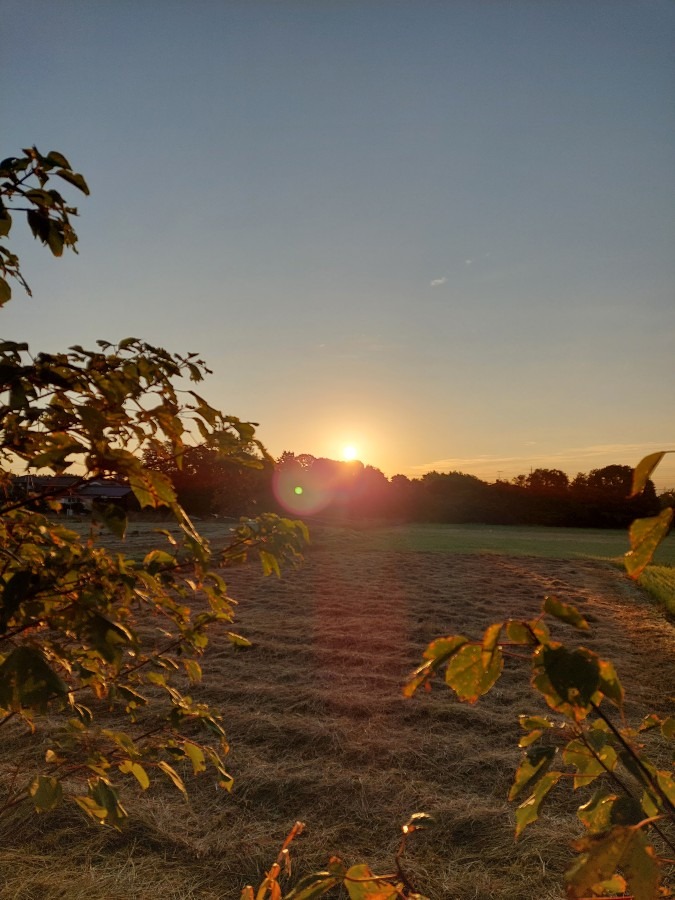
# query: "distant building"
72,493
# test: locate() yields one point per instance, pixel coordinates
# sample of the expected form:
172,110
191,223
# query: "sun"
349,453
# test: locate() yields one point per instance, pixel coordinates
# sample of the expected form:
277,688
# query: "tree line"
310,487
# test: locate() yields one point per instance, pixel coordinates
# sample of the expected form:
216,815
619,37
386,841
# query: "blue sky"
440,231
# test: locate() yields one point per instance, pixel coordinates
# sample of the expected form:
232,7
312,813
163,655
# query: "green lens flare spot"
298,490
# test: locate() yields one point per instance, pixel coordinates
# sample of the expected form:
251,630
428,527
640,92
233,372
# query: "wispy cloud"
437,282
570,459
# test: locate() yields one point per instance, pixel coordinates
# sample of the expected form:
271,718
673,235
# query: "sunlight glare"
349,453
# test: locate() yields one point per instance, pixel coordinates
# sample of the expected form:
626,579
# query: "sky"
442,233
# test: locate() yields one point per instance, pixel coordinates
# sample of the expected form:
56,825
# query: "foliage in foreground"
634,797
646,534
358,880
97,649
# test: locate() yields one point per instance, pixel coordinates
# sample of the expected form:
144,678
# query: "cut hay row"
320,732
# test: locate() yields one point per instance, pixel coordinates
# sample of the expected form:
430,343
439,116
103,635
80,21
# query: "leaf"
643,471
531,722
18,588
312,886
532,767
108,637
5,221
112,516
596,813
668,727
567,678
467,674
93,809
136,769
132,697
46,792
589,761
519,632
645,536
105,796
58,159
609,683
238,640
74,178
5,292
565,613
623,847
528,811
193,669
438,652
152,488
196,756
666,782
173,775
362,884
490,641
28,681
269,562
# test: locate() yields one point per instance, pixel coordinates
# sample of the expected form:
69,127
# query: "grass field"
320,732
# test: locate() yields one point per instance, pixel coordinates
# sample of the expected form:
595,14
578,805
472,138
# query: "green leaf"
532,767
623,847
529,723
609,683
668,727
597,812
93,809
438,652
132,697
196,756
568,679
238,640
565,613
58,159
645,536
588,761
19,587
519,632
152,488
105,796
108,637
5,292
643,471
173,775
491,641
28,681
315,885
531,738
269,562
129,767
528,811
5,221
74,178
666,782
46,792
193,669
467,674
362,884
112,516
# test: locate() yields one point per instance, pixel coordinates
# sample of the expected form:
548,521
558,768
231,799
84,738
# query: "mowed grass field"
320,731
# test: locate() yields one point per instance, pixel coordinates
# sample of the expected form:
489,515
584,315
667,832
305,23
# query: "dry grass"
320,733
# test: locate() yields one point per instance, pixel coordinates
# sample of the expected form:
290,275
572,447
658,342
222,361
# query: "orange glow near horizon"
349,453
